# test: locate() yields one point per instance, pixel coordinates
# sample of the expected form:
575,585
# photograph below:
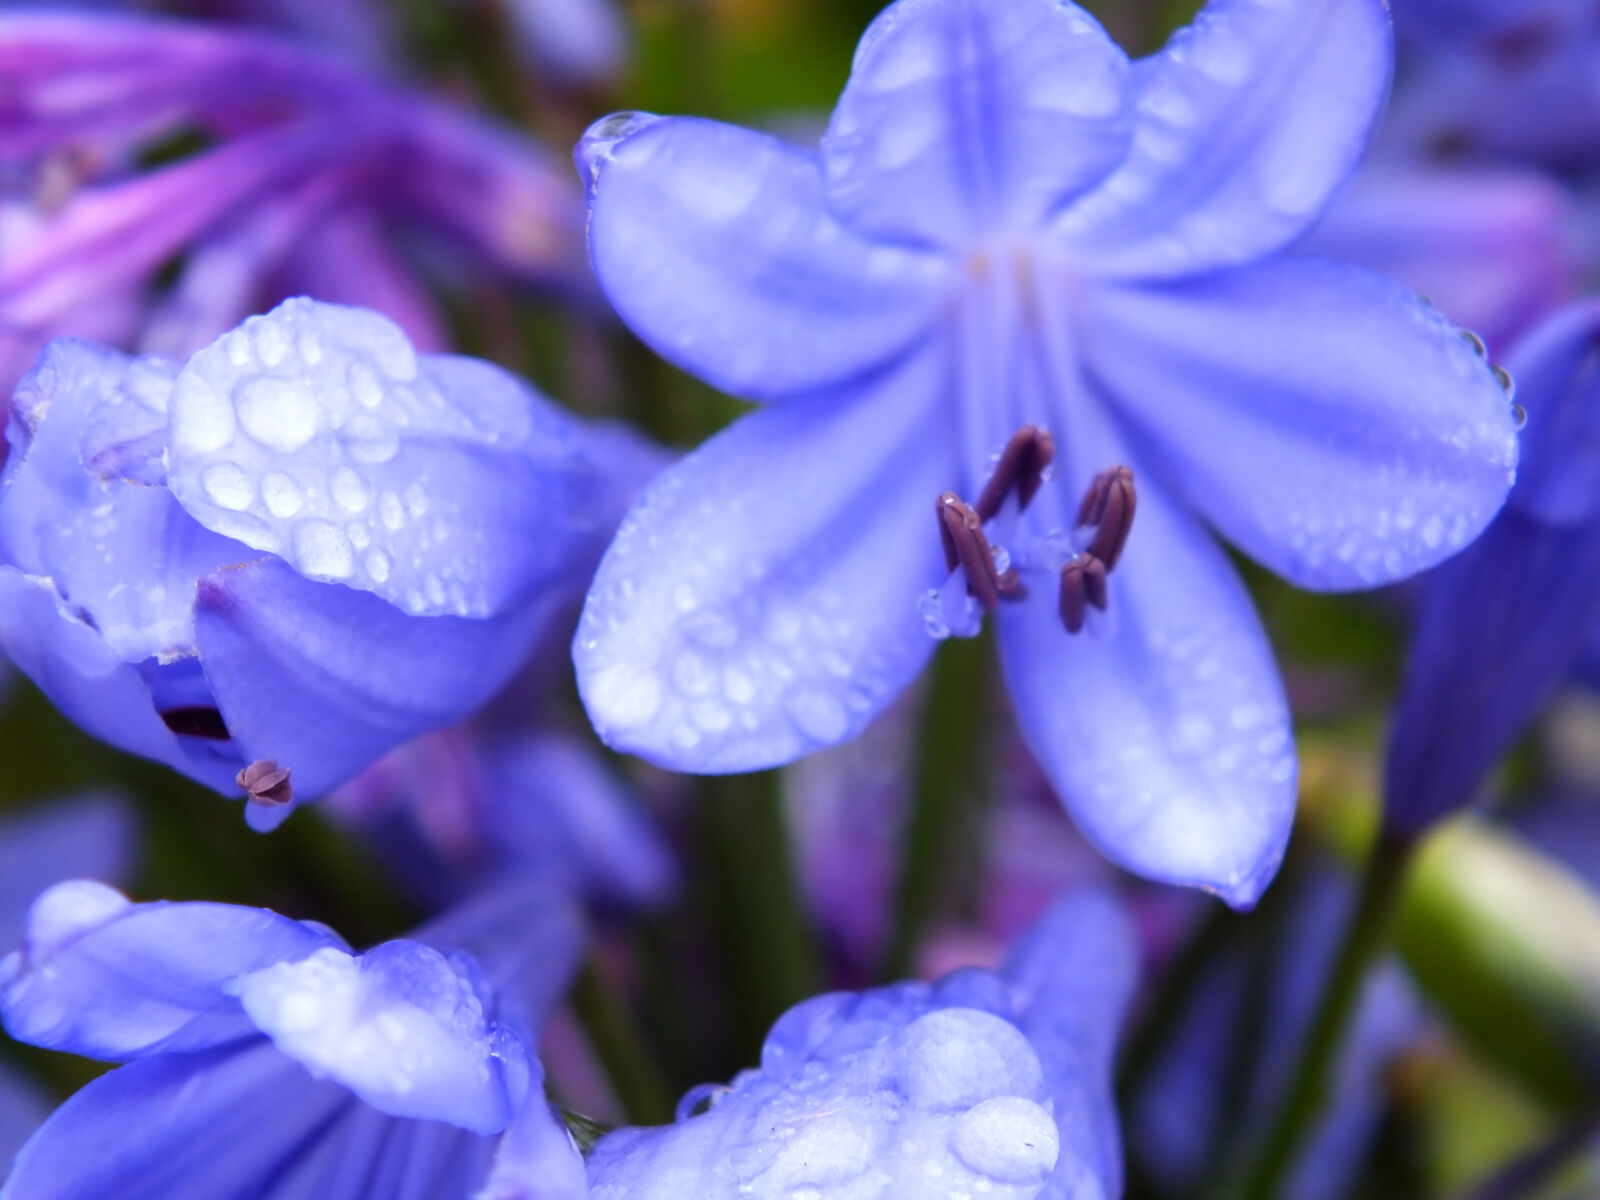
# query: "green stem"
1523,1176
1364,940
640,1087
941,828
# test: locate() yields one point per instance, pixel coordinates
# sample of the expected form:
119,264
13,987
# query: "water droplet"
623,696
391,512
282,495
1476,342
1009,1139
349,489
322,551
600,138
364,385
1519,415
933,614
237,345
1507,384
272,344
202,421
310,348
371,440
280,414
228,486
819,716
378,564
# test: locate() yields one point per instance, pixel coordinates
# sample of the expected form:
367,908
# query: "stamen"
1109,505
1022,466
265,782
197,722
1083,583
965,546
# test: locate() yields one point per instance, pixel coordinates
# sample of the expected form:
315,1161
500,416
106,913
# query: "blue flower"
306,165
984,1083
303,547
1009,229
263,1056
1498,627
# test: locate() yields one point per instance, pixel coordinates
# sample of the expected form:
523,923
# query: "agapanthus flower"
983,1083
296,550
308,169
1501,625
1025,291
262,1056
1222,1070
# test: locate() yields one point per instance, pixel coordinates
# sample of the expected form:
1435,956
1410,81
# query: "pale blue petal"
93,687
1168,737
714,245
536,1158
101,977
1073,973
760,601
1249,121
83,505
443,485
84,836
402,1026
1327,422
966,120
323,679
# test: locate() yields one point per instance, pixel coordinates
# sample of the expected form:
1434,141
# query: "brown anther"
1083,584
265,782
961,534
1021,467
1108,506
197,722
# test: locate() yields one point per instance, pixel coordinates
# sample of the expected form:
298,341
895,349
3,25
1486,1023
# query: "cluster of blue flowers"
1030,333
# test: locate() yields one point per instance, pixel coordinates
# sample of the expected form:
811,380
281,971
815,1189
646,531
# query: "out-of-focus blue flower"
453,805
305,162
984,1083
1006,227
1500,78
1499,626
569,41
306,545
263,1056
1224,1070
61,838
1496,248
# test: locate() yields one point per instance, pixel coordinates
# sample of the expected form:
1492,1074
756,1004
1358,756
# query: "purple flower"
1499,627
991,1083
305,156
1008,228
264,1056
303,547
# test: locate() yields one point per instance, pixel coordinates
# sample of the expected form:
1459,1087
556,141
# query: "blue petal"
101,977
1168,739
714,245
86,836
323,679
1073,973
238,1123
966,120
92,686
536,1158
401,1026
760,600
443,485
83,505
1249,121
1327,422
1559,480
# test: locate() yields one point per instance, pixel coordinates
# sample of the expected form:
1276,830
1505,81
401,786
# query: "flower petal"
1169,739
443,485
1073,973
1249,121
402,1026
324,679
92,686
761,599
536,1158
714,245
105,978
1326,421
968,119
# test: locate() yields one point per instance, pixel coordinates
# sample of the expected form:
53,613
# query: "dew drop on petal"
322,551
280,414
228,486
